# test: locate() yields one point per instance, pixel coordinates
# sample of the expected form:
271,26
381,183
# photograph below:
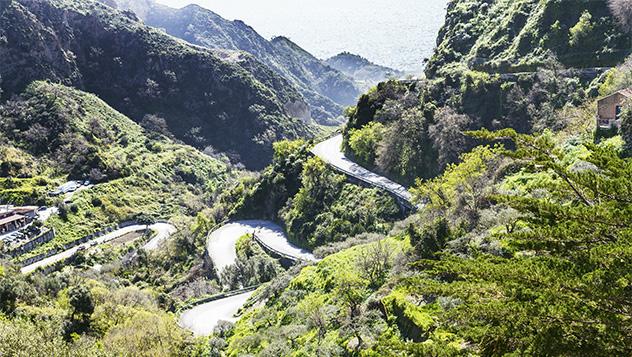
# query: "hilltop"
362,69
520,36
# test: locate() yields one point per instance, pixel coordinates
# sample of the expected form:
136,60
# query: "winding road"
330,152
222,251
163,231
221,242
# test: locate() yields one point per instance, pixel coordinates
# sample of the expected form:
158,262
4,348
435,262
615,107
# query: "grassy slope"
154,176
316,287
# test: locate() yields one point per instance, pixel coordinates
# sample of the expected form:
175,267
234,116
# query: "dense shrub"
326,209
364,142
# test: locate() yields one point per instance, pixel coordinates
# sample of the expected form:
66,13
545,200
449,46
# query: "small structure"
609,109
11,223
27,211
14,218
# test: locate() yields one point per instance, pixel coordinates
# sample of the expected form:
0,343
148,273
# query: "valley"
174,183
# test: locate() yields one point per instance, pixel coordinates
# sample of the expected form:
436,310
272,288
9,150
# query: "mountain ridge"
141,71
203,27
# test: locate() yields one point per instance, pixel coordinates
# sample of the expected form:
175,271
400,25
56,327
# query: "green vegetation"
63,133
237,107
364,142
504,263
322,309
68,315
562,281
314,204
253,266
522,243
327,210
520,36
506,64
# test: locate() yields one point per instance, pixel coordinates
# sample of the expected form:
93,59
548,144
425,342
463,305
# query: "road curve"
163,230
221,242
330,152
202,319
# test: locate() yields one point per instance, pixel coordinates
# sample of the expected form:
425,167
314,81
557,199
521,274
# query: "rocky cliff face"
326,89
498,64
207,98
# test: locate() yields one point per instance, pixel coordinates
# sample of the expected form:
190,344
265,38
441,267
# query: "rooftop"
10,219
626,92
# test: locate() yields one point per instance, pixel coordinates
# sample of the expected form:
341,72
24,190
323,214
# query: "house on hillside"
609,109
29,212
14,218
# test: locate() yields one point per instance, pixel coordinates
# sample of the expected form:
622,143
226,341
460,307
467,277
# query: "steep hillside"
54,133
509,35
363,70
324,88
498,64
228,102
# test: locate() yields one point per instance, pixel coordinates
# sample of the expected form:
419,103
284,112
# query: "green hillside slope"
206,100
57,133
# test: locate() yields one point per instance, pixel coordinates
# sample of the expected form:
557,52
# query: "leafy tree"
432,238
582,28
448,136
364,142
80,300
374,263
626,129
352,292
566,290
459,189
405,151
8,294
147,334
82,304
320,186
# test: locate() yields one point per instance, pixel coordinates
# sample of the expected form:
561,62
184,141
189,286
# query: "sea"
395,33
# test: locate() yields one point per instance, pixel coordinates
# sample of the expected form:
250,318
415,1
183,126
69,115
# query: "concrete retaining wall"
77,242
44,237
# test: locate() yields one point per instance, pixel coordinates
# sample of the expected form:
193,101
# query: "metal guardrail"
269,249
404,200
372,183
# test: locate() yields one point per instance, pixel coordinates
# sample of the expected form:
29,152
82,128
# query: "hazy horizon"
398,36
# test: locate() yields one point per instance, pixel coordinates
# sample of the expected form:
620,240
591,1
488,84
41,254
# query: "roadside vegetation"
521,244
316,205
